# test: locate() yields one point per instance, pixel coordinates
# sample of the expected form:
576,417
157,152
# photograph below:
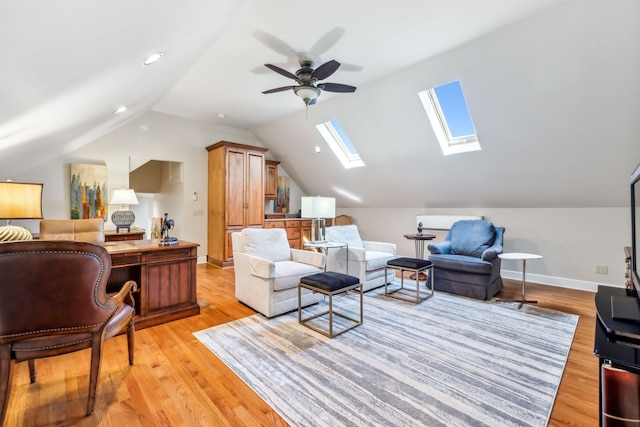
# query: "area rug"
449,361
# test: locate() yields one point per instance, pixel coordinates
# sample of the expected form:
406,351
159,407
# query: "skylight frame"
448,143
340,144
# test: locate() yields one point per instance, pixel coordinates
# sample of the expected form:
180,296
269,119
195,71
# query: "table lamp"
318,209
19,200
123,218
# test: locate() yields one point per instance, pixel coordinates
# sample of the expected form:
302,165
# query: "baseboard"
202,259
560,282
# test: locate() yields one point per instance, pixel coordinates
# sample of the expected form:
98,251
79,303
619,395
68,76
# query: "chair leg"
32,370
96,358
6,368
131,337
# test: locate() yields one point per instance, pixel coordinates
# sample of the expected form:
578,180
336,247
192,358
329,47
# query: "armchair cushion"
346,234
268,243
471,237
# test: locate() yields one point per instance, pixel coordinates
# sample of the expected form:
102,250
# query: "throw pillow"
268,243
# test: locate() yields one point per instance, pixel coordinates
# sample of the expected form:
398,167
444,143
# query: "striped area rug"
449,361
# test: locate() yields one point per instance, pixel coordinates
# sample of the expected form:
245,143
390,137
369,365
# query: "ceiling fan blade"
350,67
337,87
279,89
281,71
275,43
326,69
327,41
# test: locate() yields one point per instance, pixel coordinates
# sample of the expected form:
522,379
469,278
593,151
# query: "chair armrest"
443,247
357,254
380,247
260,267
316,259
491,253
117,299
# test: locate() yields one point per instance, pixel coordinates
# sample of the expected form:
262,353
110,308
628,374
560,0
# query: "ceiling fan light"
307,92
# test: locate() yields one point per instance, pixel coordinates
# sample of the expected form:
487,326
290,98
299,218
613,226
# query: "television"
627,308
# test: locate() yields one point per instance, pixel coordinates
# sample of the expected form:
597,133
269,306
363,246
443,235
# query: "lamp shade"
20,200
123,197
318,207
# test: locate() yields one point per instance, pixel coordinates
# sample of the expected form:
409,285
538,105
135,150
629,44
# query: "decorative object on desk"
19,200
282,202
156,227
466,363
88,191
420,228
123,218
318,209
167,225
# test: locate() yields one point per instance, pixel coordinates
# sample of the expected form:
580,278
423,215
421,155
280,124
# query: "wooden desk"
166,277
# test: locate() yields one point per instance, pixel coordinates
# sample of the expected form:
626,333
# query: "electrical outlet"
602,269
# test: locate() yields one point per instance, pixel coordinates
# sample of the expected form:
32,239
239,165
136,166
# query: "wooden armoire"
236,196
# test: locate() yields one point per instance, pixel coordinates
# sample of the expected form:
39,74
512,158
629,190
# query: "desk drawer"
168,255
125,259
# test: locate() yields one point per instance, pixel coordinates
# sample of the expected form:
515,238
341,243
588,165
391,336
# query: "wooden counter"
166,277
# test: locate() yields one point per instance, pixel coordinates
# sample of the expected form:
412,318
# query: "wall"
571,240
153,135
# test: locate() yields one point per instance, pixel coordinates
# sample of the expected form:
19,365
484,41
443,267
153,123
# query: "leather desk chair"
53,301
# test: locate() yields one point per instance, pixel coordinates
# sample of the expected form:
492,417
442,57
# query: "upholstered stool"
415,265
329,283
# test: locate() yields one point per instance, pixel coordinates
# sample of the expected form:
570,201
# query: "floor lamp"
19,200
318,209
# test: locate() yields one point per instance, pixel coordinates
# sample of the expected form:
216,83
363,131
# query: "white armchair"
267,270
366,258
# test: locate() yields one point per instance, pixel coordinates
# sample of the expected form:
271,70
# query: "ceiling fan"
308,87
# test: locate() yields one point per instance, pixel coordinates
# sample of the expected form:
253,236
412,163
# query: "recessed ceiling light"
153,58
222,116
119,110
317,149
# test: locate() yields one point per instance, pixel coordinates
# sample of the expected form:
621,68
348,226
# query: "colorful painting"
89,192
282,202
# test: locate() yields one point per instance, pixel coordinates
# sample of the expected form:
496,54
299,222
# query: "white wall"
156,136
571,240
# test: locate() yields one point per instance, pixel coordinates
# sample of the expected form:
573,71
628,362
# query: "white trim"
561,282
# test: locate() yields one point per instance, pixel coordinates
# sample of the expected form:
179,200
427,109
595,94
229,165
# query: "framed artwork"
282,202
89,191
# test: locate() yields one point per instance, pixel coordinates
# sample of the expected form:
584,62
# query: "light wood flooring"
176,381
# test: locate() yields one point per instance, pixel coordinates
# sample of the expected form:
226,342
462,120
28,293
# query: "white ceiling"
66,66
372,36
536,73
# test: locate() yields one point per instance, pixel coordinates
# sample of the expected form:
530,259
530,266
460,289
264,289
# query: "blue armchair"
467,262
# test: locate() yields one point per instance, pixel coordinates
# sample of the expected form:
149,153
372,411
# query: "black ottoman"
417,266
329,283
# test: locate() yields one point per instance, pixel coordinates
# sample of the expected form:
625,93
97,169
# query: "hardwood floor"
176,381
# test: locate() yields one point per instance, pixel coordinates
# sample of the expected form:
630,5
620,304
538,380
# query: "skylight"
450,118
339,142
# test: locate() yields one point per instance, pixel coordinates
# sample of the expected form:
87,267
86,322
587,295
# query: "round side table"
524,257
419,240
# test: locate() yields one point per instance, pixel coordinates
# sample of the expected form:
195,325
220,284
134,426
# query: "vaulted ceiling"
552,86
